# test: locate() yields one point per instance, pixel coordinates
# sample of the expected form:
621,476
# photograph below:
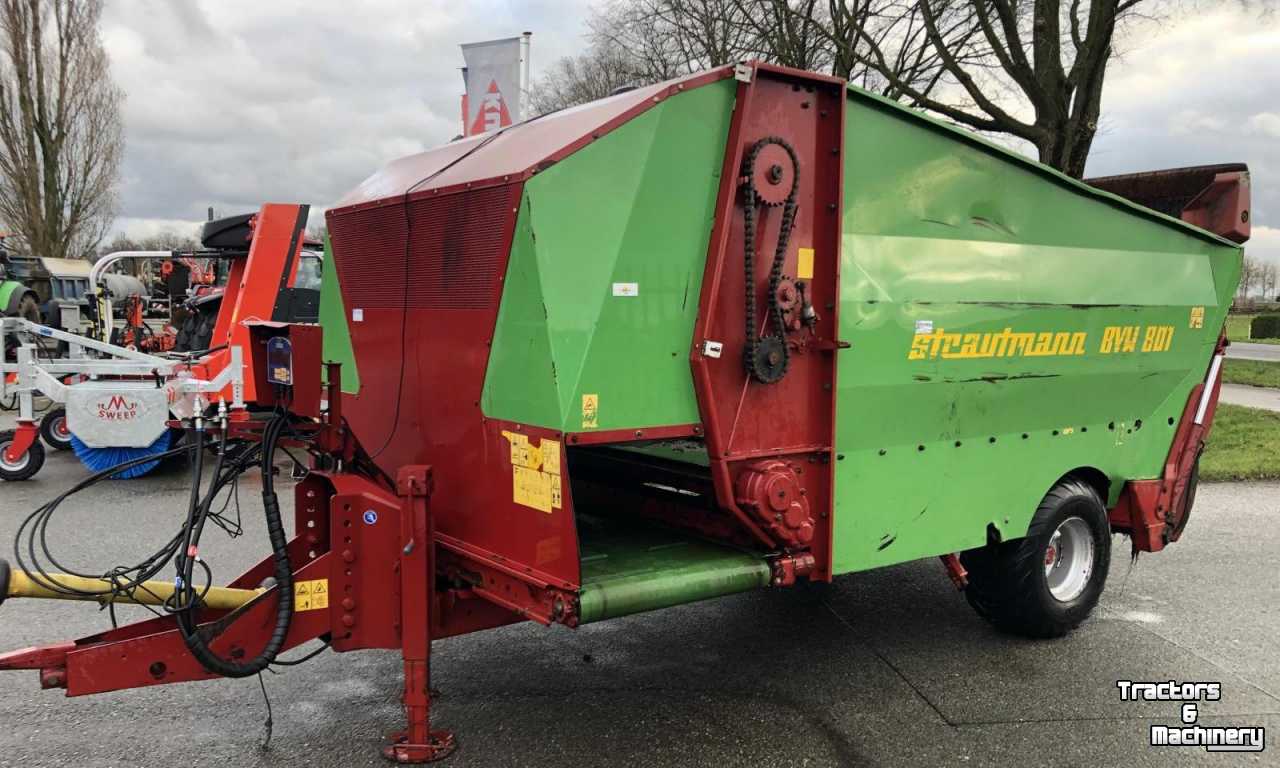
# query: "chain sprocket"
765,173
773,173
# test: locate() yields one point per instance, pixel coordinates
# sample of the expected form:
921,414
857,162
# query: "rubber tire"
197,332
35,459
185,335
203,335
29,308
1007,584
50,435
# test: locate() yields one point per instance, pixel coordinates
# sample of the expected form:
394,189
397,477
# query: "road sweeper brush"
738,330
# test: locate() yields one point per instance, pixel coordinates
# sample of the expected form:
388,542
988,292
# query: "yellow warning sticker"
535,489
804,264
590,411
550,450
311,595
523,454
535,472
1197,317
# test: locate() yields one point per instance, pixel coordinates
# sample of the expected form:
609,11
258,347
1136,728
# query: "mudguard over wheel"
26,466
53,430
1045,584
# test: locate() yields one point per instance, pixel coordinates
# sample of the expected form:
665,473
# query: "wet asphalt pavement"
887,668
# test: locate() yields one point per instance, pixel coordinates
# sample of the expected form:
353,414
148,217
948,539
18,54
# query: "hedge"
1265,327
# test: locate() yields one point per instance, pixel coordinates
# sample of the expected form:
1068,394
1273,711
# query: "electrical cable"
123,580
302,660
267,725
408,244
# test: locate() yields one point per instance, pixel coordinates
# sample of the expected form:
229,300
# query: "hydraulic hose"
191,636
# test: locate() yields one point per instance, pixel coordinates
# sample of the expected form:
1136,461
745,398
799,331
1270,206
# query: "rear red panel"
421,327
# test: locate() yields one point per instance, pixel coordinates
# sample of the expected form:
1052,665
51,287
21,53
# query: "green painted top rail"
1048,172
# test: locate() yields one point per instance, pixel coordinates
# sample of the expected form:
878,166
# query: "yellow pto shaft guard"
16,583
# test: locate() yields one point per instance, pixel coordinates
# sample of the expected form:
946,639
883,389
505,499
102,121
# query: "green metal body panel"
333,319
633,209
946,234
629,568
1008,326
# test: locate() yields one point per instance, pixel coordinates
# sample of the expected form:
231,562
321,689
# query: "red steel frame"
343,524
1148,509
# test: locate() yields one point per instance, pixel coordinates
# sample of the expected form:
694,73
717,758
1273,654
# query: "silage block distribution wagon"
739,330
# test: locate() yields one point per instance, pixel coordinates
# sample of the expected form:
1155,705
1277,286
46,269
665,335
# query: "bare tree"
318,232
674,37
883,46
1033,69
1268,280
167,239
600,71
1249,273
788,32
629,30
996,55
60,133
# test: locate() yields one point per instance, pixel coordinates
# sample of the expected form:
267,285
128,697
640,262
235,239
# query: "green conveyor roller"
628,568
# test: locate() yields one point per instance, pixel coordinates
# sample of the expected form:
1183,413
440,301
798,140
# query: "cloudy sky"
234,102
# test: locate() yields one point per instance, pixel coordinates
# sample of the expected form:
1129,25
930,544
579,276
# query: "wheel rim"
12,466
1068,559
60,428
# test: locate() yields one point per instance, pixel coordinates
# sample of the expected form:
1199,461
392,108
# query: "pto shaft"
16,583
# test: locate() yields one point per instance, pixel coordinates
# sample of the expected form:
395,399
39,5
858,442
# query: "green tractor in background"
44,290
17,299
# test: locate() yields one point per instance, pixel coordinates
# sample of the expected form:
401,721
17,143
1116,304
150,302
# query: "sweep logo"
117,408
1214,738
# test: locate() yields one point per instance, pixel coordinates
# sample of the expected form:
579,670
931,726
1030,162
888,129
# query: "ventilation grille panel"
455,246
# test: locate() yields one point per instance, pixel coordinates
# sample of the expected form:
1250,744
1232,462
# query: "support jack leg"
417,744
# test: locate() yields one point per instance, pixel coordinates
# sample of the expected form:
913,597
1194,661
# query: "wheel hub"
1068,559
12,466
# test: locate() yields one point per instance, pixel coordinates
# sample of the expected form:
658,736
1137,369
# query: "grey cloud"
232,103
1203,90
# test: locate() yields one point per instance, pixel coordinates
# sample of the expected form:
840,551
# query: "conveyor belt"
629,567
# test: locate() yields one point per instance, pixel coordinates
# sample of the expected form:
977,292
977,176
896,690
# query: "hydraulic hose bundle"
197,515
34,558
